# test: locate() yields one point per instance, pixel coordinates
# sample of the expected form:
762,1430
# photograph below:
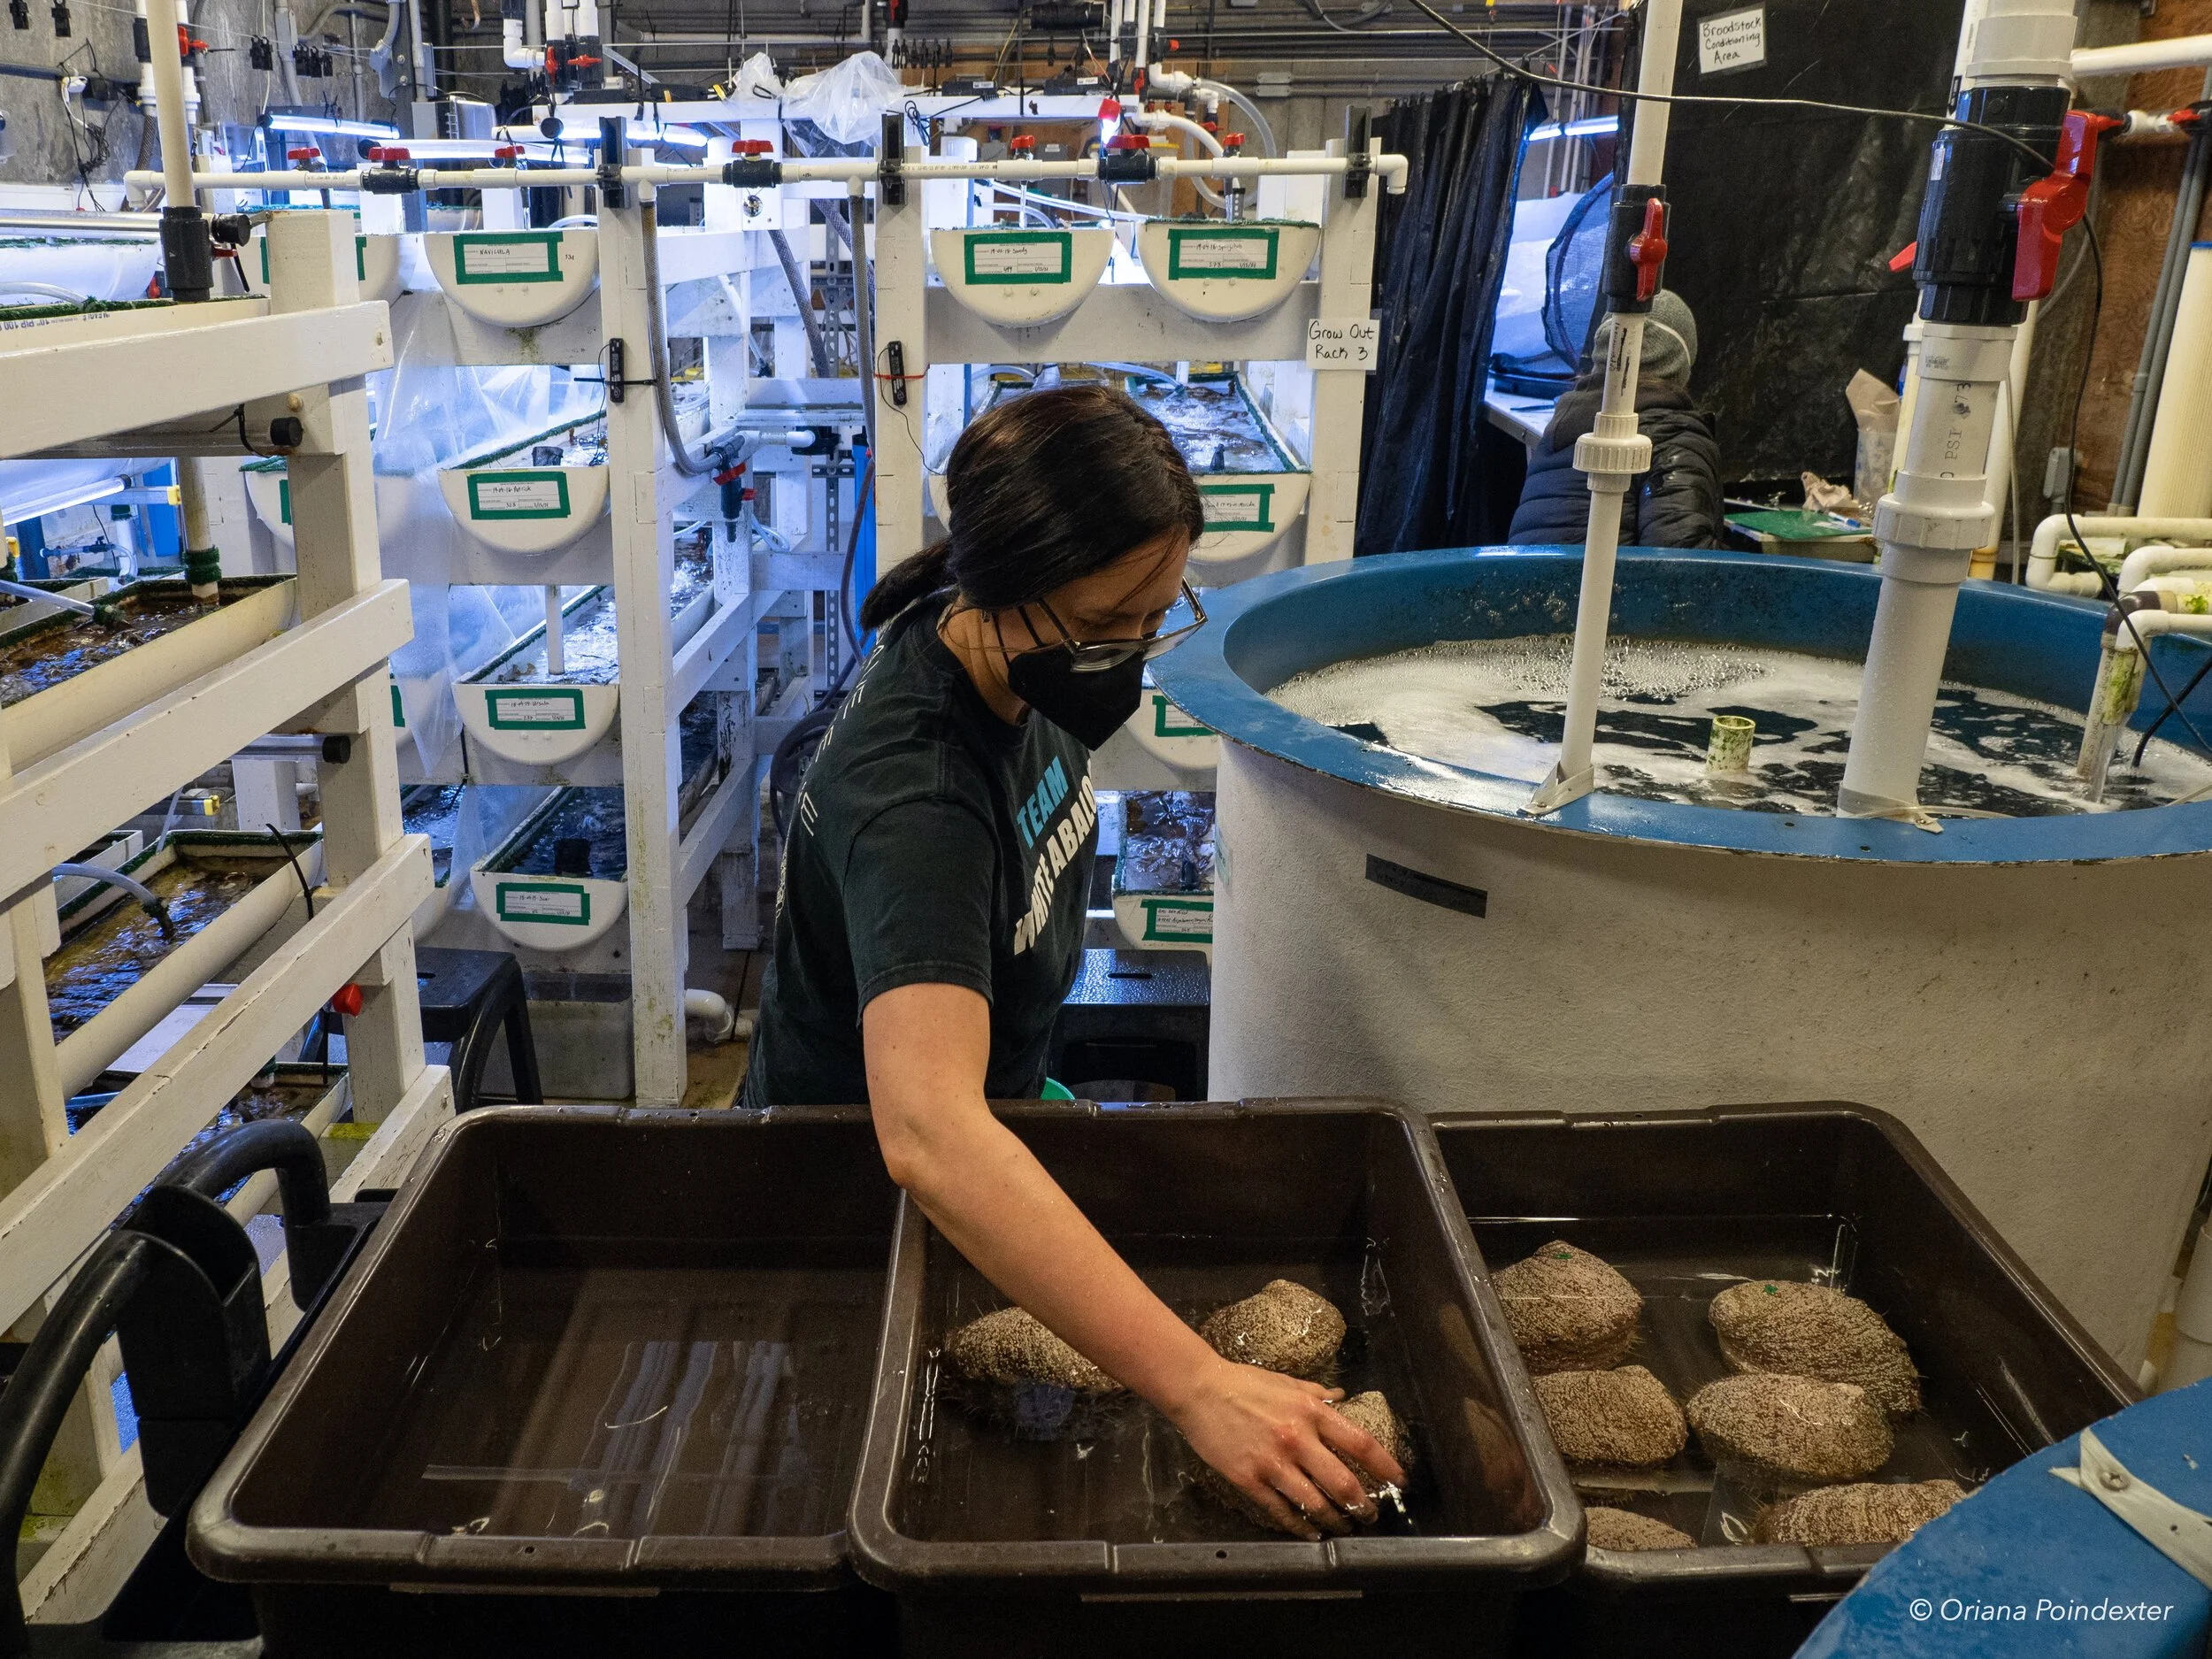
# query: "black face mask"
1089,705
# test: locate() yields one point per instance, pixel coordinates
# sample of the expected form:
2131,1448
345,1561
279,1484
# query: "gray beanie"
1669,340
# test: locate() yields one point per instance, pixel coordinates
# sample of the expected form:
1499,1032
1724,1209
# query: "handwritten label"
507,257
1343,342
1178,919
561,708
1732,39
535,904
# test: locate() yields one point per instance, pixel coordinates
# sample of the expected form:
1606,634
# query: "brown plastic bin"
597,1387
1686,1204
1034,1522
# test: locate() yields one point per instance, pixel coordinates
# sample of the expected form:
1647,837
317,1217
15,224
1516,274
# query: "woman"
930,918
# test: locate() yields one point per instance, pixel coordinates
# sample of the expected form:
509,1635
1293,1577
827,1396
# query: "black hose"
281,1144
846,597
46,1385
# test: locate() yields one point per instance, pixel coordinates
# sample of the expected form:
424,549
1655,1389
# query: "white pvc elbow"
712,1019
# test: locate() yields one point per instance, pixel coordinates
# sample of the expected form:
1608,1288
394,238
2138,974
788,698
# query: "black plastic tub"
1686,1204
597,1387
1033,1522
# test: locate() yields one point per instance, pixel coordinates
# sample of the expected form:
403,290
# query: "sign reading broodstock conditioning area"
1342,342
1732,39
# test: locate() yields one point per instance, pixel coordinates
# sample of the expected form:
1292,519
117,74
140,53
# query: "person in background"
1677,504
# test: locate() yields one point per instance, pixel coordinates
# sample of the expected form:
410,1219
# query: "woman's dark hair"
1048,488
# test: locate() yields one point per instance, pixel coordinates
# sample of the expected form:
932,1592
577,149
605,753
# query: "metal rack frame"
87,766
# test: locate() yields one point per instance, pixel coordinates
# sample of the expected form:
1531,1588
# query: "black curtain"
1426,480
1784,219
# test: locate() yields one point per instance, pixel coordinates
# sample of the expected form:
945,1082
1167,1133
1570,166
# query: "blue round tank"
2024,992
2030,1565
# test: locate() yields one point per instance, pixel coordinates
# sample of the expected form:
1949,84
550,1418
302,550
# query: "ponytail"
905,582
1042,489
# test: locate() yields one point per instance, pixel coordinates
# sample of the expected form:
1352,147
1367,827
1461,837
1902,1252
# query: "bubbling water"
1498,707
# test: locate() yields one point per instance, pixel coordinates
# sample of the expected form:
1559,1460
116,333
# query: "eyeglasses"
1092,657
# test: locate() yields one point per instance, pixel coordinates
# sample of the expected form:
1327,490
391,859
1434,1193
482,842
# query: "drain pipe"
2163,604
1612,454
2178,456
1976,267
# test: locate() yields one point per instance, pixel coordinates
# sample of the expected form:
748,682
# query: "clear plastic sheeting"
846,101
429,413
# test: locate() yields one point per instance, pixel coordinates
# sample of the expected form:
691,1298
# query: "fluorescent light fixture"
681,137
331,124
1593,127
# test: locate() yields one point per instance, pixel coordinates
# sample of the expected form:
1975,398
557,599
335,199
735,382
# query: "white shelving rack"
197,381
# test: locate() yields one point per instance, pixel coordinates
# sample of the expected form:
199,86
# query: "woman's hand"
1275,1439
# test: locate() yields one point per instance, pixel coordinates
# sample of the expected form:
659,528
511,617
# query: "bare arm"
927,1050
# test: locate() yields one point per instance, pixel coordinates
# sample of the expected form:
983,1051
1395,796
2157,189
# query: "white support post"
1614,452
901,272
334,525
644,568
1340,396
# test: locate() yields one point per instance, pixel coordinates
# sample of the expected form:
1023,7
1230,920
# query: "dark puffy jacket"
1677,504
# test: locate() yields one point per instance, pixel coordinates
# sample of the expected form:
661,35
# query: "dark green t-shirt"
931,844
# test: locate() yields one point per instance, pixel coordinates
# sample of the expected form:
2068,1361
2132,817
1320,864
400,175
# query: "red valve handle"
347,1001
1021,143
388,154
729,474
752,147
1128,141
506,152
299,155
2052,206
1110,109
1233,142
1647,248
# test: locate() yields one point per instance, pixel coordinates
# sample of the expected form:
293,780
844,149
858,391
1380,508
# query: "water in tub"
95,966
1498,707
589,650
47,656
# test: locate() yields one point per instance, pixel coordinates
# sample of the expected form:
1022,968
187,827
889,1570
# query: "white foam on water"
1497,706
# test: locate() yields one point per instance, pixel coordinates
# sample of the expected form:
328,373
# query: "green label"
284,501
507,256
1165,717
1239,506
539,492
1184,921
399,709
1019,258
562,903
1235,252
541,708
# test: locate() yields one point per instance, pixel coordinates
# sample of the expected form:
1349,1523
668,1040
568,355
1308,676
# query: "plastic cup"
1728,750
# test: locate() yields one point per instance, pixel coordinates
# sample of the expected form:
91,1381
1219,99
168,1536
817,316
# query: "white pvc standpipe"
174,122
2177,473
1928,528
1937,513
556,657
1613,452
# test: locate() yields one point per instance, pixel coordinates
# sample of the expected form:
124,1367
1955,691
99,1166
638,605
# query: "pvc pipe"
108,1035
2177,471
1159,120
2043,554
1611,454
713,1011
173,122
2192,1357
515,51
1927,527
2146,563
1113,31
1647,149
556,663
1261,129
1391,168
2018,43
2183,52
